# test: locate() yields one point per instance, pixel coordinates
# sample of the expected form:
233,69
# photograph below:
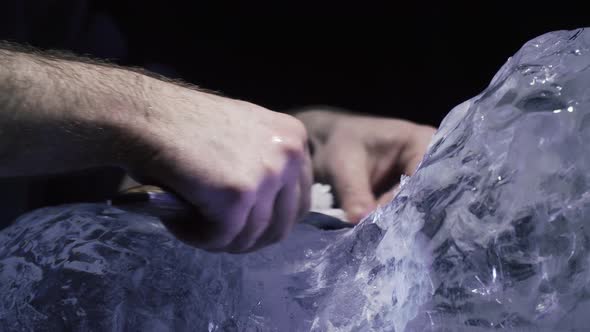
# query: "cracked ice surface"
491,232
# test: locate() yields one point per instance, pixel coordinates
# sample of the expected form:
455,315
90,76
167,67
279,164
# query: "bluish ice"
492,232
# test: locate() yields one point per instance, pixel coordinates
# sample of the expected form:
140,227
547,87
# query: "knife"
165,205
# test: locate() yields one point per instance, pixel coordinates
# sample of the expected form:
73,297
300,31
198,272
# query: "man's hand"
244,168
363,157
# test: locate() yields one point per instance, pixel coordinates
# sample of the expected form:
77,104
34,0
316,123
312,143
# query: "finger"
298,175
414,152
412,164
258,219
350,178
285,212
388,196
214,226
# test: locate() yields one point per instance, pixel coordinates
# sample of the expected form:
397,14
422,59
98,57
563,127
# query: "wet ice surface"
490,233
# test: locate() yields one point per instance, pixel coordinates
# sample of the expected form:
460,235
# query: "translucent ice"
491,233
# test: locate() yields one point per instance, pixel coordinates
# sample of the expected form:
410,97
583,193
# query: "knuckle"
295,147
299,128
296,128
292,147
291,122
272,169
241,188
292,137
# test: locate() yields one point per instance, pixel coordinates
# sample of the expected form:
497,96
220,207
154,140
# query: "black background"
411,60
414,60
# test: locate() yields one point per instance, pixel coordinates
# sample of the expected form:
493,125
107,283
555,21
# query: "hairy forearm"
60,114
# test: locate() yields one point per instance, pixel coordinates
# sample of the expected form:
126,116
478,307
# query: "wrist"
134,120
150,125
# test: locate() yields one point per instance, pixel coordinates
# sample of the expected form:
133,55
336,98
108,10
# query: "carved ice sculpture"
493,231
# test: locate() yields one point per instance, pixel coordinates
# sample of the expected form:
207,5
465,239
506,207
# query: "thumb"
350,178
